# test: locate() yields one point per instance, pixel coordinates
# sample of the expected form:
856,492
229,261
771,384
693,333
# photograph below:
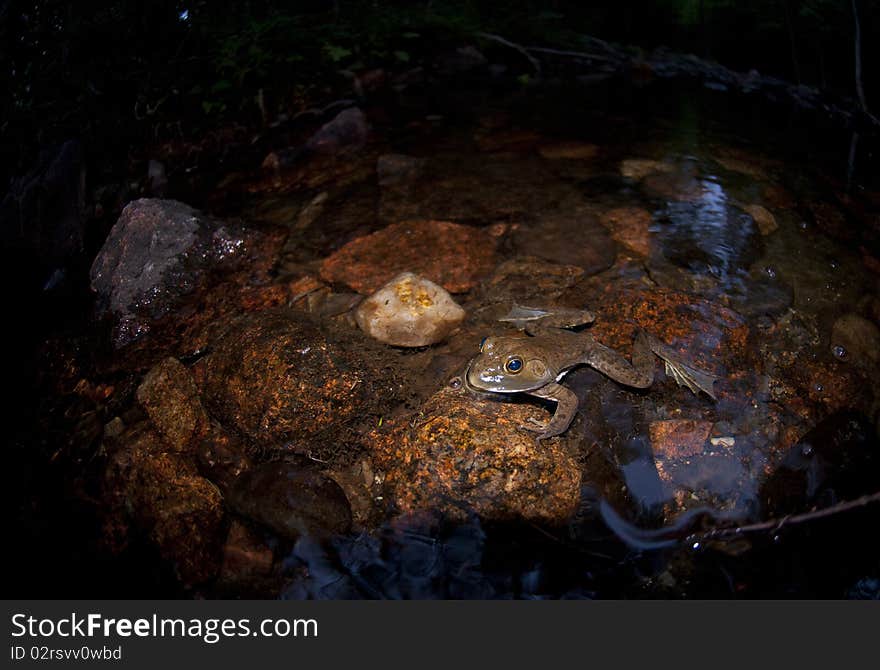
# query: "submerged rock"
452,255
470,454
631,227
409,311
838,459
568,236
855,339
292,500
679,438
528,278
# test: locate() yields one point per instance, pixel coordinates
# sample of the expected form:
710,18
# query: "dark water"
757,214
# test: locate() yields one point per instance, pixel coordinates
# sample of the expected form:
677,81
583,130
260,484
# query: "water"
734,231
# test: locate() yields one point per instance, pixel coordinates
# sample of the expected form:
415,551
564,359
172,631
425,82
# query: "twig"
573,54
516,47
792,519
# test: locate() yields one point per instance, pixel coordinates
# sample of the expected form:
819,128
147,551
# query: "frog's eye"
483,343
513,365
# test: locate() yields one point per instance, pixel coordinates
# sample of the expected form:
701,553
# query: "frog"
535,363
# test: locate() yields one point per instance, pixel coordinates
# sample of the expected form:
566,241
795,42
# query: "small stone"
409,311
726,441
678,438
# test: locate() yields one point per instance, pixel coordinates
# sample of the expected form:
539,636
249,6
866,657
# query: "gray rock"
157,252
346,131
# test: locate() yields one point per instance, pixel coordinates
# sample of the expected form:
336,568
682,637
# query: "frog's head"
508,365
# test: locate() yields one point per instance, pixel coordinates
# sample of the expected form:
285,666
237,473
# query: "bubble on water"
807,450
839,351
834,264
770,271
696,546
819,388
455,383
802,225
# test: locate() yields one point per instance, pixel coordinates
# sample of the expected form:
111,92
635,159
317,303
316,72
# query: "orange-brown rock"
630,226
452,255
162,494
171,399
705,332
469,453
274,377
678,438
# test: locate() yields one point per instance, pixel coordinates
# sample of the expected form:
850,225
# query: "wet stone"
409,311
422,247
839,459
161,493
630,226
528,278
471,454
706,239
171,400
347,131
679,438
157,253
274,377
292,500
569,237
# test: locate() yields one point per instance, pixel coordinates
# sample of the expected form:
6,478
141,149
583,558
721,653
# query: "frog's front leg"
566,407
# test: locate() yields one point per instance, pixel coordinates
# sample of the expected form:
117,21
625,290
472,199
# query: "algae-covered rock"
409,311
451,254
469,453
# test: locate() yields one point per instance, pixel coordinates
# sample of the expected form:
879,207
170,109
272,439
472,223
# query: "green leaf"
336,53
